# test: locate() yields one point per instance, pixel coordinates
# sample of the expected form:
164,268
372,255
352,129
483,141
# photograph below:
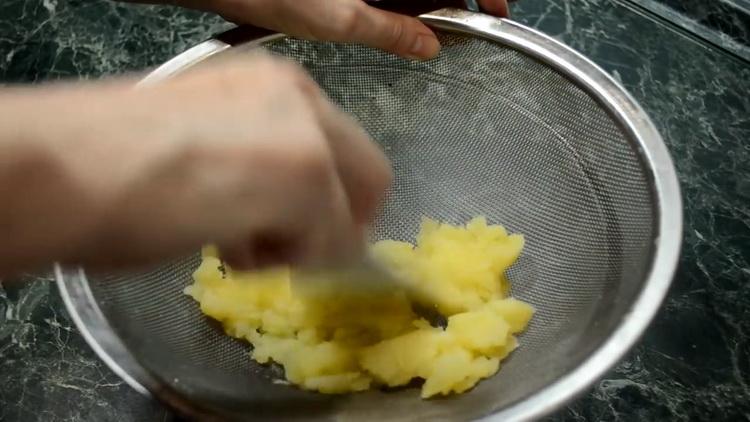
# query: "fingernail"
425,46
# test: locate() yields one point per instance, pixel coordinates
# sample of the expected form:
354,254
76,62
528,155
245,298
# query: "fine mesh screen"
483,129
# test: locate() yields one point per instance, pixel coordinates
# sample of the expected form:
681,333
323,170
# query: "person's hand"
338,20
250,156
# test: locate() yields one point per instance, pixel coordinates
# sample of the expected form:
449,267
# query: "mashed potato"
334,341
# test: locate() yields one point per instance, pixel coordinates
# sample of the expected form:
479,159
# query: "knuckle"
230,78
268,75
383,176
289,72
311,162
348,21
270,67
398,37
259,65
378,167
298,79
379,180
284,67
261,62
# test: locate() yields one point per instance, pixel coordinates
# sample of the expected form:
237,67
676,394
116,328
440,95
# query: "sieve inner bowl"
482,130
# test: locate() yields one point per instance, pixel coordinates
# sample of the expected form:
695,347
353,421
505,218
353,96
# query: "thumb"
395,33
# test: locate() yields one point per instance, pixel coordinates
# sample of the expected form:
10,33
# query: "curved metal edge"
667,192
88,318
100,336
184,60
205,50
76,293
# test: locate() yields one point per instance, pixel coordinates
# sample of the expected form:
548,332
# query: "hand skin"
335,20
249,155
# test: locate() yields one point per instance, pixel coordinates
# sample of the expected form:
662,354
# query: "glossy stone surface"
692,364
725,24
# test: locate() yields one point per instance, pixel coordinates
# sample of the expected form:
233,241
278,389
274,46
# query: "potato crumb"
333,343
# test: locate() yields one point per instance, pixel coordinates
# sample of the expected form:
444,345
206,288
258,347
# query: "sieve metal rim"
612,96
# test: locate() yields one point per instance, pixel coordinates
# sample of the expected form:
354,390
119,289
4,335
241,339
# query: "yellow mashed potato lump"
335,341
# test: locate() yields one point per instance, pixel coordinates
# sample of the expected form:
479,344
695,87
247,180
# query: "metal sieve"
507,123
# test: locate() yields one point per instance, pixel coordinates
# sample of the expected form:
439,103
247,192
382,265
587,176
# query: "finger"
348,21
273,249
342,241
392,32
363,168
356,22
328,236
238,256
333,237
495,7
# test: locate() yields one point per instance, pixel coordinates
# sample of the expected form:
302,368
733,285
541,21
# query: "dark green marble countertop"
692,364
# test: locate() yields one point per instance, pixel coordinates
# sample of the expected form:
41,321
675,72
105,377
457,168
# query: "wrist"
62,164
44,208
